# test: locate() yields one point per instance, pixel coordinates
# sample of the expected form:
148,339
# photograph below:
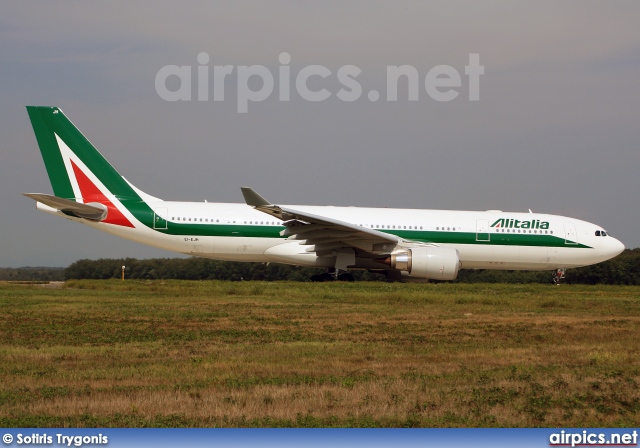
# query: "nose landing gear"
558,276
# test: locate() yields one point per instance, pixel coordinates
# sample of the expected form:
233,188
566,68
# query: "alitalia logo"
518,224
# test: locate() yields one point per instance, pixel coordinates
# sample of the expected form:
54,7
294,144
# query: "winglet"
253,199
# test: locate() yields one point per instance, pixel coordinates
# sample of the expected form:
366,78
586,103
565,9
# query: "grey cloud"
555,129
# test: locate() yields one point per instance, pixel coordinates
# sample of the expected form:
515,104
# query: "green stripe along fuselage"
425,232
258,231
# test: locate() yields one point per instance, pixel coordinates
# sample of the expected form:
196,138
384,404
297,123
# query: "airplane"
406,245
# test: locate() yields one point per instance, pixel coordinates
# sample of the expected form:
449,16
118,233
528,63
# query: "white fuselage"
226,231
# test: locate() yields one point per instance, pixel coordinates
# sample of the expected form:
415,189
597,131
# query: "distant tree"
622,270
29,273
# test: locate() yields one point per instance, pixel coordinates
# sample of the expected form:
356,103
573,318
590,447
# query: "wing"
324,236
92,211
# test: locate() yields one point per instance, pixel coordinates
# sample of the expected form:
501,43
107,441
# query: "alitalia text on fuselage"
520,224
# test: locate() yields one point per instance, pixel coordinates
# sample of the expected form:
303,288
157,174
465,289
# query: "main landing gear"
558,276
346,277
332,275
325,277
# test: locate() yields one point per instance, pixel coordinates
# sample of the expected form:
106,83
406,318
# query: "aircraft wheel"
346,277
326,277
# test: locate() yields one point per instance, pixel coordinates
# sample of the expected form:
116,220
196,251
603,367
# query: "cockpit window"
604,233
597,233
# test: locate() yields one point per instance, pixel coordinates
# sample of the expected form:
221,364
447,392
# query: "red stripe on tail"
91,193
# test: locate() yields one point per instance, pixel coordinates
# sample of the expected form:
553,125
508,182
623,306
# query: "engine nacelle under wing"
427,262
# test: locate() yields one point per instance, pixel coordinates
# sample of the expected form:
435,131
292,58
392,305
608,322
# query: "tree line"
622,270
29,274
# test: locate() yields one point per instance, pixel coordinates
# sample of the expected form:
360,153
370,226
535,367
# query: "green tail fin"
60,143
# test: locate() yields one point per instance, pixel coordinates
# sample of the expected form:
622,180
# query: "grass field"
177,353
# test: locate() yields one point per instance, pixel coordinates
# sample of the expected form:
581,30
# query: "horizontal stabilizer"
92,211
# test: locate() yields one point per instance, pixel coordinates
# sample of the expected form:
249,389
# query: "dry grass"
107,353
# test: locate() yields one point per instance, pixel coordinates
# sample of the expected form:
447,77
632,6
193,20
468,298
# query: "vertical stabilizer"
78,172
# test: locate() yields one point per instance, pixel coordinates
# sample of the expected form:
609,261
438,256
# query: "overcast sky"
556,128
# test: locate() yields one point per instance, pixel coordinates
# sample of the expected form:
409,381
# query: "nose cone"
612,248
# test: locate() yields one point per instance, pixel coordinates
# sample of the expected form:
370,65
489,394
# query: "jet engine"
430,262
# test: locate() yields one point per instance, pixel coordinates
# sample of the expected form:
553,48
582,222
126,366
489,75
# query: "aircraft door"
570,234
482,230
160,218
